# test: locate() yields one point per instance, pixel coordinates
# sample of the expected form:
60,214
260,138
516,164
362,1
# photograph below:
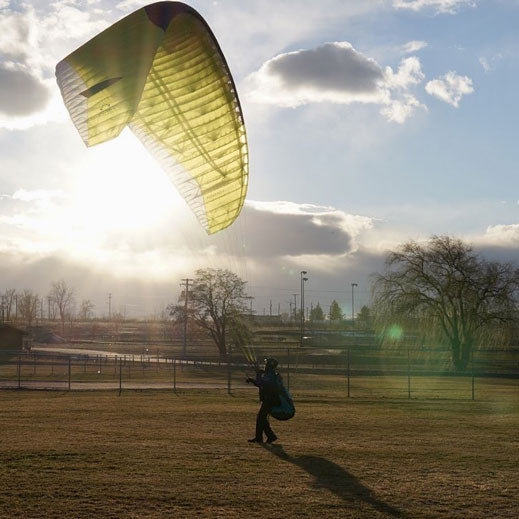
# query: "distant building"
266,320
12,338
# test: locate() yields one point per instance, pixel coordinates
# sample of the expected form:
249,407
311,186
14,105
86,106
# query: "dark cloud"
330,67
271,234
21,93
503,254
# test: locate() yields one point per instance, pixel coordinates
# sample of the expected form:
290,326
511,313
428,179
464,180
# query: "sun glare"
122,188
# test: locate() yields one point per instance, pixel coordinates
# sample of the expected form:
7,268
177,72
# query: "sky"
369,124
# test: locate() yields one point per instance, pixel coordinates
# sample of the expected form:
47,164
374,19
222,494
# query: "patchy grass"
160,454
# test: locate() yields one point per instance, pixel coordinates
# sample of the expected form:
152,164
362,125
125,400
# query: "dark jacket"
269,383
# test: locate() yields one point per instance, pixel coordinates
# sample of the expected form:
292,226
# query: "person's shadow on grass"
333,477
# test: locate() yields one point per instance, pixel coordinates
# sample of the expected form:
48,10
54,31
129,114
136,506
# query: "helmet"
271,363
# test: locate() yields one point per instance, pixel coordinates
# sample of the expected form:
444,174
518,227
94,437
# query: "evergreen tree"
335,311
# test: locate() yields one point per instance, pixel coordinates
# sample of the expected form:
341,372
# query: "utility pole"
109,307
295,306
353,304
185,285
303,279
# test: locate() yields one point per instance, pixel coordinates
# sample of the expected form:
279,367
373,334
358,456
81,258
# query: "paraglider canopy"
161,72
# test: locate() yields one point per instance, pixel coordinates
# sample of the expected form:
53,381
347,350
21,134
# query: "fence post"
408,375
472,369
120,375
69,372
348,370
19,372
175,375
288,369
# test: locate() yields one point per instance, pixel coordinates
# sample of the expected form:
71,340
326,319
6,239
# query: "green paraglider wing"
160,71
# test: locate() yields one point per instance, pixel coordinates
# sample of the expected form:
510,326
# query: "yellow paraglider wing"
161,72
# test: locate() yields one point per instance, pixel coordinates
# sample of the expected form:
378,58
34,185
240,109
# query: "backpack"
286,409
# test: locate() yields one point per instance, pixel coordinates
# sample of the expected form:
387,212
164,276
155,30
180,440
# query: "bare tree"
445,283
86,309
8,303
52,309
217,301
63,296
28,306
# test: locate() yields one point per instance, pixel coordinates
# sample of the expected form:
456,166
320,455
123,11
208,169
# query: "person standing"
269,383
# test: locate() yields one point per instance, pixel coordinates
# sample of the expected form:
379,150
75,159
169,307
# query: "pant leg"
262,423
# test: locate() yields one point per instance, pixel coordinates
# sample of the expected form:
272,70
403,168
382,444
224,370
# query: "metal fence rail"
350,372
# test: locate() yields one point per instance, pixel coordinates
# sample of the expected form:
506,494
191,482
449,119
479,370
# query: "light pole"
353,285
303,279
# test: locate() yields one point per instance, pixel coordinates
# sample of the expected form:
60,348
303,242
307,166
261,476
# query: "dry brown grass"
160,454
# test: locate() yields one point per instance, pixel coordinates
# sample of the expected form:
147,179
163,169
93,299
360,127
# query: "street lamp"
353,304
303,279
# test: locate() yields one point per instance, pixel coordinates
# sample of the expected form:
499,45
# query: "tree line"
59,304
439,291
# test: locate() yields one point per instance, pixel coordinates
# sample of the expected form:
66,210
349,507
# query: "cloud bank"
301,229
336,73
33,38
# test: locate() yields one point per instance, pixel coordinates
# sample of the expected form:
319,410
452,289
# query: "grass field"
160,454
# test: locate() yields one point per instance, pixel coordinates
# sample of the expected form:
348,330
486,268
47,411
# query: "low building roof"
10,327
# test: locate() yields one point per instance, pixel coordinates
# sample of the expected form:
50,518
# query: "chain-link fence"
351,372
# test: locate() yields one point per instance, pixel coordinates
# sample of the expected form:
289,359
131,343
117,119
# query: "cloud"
438,6
399,110
129,5
16,34
301,229
450,88
414,46
33,39
502,235
21,93
485,64
409,73
490,63
336,73
49,243
36,194
333,72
